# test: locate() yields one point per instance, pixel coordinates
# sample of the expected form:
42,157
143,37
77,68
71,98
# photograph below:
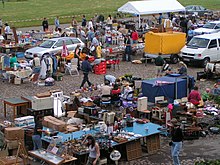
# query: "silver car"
208,28
53,46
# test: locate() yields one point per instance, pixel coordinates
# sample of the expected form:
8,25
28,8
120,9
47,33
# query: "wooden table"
51,158
14,102
73,159
48,157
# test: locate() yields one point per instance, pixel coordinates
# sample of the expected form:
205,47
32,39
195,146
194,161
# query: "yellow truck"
167,45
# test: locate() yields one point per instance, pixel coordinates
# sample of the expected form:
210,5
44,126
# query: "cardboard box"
45,94
72,128
54,123
14,133
71,113
59,127
45,123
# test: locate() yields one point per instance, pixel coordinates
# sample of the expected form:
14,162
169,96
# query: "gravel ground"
204,148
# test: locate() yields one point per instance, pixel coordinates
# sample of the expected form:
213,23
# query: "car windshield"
198,42
209,25
47,44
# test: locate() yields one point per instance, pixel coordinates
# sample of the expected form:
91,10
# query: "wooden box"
14,133
45,94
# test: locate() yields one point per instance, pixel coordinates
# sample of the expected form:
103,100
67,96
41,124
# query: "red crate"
101,71
91,59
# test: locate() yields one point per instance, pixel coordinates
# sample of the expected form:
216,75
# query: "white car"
208,28
202,49
53,46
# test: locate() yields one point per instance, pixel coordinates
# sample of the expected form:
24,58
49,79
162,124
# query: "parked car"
53,46
210,27
202,49
197,10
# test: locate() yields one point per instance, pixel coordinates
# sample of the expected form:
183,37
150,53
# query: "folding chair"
72,67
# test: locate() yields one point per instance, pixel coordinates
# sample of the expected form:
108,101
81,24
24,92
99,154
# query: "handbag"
170,143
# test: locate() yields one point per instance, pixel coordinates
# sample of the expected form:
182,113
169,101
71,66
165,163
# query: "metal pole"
139,21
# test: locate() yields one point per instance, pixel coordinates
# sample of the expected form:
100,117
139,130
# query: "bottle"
15,66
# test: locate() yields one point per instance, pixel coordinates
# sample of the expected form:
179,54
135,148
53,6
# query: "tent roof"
151,7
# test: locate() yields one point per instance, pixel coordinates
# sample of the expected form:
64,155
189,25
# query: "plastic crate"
20,54
91,59
100,72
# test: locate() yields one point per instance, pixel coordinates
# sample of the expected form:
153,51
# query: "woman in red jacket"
194,96
134,37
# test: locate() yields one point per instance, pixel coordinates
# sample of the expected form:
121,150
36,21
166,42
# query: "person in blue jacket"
86,68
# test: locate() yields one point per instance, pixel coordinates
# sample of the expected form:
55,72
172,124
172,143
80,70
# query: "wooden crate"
133,150
153,143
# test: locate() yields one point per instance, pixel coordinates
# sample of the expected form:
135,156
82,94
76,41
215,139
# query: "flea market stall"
151,7
170,87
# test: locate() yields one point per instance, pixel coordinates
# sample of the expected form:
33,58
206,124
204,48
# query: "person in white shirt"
94,45
90,25
109,21
7,30
106,91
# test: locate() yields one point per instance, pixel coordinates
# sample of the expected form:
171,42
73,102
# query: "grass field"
37,9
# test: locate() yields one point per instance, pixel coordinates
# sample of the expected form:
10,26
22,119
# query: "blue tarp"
168,90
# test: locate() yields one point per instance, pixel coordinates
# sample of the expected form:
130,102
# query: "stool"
103,161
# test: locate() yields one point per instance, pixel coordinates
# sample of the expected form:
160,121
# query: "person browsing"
86,68
194,96
94,151
176,143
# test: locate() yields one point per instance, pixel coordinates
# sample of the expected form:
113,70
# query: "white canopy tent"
151,7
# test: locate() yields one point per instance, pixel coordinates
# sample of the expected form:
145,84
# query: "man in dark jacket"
177,142
86,68
159,62
45,24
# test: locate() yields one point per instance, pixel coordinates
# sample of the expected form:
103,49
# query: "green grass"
37,9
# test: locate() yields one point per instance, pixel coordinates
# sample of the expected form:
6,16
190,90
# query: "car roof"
209,36
192,5
62,38
214,22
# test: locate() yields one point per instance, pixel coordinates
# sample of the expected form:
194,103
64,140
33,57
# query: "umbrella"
65,51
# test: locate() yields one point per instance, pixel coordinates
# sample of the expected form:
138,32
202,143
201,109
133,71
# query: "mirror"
54,47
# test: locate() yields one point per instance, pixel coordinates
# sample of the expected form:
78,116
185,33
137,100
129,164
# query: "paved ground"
204,148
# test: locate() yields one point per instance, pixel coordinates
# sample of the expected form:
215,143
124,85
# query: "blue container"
20,54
